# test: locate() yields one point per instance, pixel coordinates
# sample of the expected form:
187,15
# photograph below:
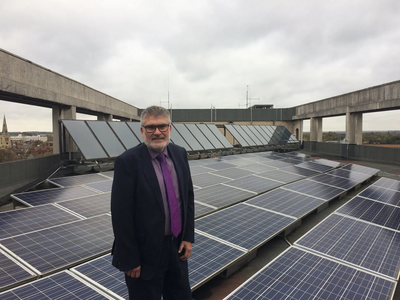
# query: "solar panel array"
107,139
353,254
260,135
244,206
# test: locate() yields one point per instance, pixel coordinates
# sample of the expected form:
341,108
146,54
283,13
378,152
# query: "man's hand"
134,273
187,247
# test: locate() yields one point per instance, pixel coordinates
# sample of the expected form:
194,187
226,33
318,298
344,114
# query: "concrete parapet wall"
43,87
378,98
356,152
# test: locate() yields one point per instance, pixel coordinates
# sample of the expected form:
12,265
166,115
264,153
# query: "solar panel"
209,258
12,273
109,174
89,206
314,166
76,180
254,183
287,202
258,168
297,274
207,179
279,163
204,142
244,134
101,272
361,169
260,136
62,285
250,133
268,134
219,135
59,247
365,245
243,225
388,183
84,139
372,211
220,195
188,137
22,221
339,182
177,139
107,138
233,173
281,176
219,165
100,186
125,134
52,195
210,136
258,130
381,194
315,189
237,136
360,177
195,170
135,127
300,171
201,209
326,162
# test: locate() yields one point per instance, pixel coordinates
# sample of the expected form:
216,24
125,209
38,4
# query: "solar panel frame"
188,137
281,176
300,171
208,179
336,181
361,169
88,207
100,186
200,137
299,274
202,209
360,177
85,140
135,127
41,197
177,139
315,189
220,195
388,183
256,133
232,173
243,225
381,194
210,136
106,137
218,134
251,135
254,183
262,133
314,166
236,135
245,135
68,181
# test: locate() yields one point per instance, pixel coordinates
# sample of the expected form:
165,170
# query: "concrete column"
298,130
354,128
62,113
316,129
104,117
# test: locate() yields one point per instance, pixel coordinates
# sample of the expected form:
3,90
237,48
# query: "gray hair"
154,111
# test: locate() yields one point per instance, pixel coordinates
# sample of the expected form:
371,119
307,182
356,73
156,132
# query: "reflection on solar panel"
243,225
314,166
388,183
59,247
210,257
366,245
237,136
258,168
339,182
52,195
233,173
300,171
361,169
135,127
106,137
251,135
125,134
101,186
22,221
59,286
254,183
220,195
109,174
12,272
210,136
381,194
177,139
76,180
195,170
201,209
286,202
297,274
315,189
326,162
207,179
188,137
102,272
204,142
84,139
360,177
372,211
219,165
280,175
89,206
219,136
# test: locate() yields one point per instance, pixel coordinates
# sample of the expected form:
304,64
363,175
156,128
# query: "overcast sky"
207,52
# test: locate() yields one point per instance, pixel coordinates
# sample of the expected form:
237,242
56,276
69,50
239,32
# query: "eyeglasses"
152,128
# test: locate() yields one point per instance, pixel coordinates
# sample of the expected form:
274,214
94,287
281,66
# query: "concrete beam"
354,128
316,130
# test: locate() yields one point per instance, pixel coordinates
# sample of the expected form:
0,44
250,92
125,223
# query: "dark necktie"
172,201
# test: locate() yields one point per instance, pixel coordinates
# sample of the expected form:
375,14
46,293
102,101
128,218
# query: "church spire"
5,125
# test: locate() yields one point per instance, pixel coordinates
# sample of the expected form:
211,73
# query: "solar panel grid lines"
232,173
135,127
244,225
100,186
254,137
336,181
208,179
270,210
218,134
61,246
102,274
300,171
68,181
258,167
188,137
282,176
210,136
360,177
124,134
195,170
63,285
298,274
22,221
200,137
107,174
361,169
254,183
47,196
202,209
12,272
381,194
358,243
388,183
314,166
315,189
255,132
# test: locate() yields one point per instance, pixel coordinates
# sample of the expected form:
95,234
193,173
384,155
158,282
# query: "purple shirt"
160,177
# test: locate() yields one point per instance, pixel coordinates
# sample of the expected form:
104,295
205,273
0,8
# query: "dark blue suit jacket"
137,208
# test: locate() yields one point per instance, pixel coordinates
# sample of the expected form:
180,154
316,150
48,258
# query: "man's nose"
157,131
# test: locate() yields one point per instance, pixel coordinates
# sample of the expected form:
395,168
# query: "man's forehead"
155,120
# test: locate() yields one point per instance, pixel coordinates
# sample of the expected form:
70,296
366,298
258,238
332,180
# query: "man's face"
156,140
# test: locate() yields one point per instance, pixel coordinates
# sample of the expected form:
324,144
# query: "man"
152,208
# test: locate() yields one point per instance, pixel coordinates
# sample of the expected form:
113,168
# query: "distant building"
5,139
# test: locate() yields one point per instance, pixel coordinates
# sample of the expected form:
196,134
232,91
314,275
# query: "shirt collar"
154,154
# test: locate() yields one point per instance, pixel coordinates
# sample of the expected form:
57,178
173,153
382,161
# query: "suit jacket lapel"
151,176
